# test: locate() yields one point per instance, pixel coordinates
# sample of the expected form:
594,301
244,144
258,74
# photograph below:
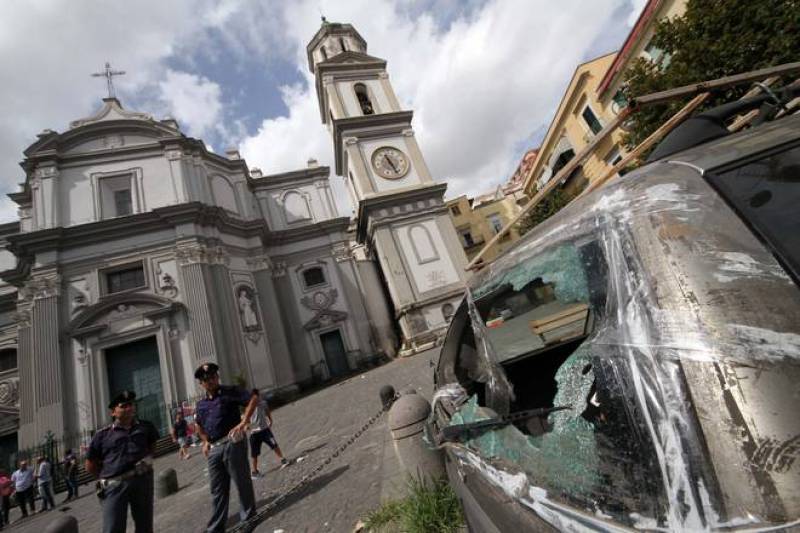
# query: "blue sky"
483,77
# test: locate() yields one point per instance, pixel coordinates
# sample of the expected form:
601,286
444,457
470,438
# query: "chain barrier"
264,512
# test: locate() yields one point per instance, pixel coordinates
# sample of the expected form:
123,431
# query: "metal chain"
262,514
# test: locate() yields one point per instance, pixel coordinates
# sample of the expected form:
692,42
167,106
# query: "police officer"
117,457
221,425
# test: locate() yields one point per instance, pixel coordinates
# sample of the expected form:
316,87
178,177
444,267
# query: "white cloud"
478,82
636,10
477,86
194,100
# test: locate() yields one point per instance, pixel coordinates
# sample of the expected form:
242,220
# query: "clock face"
390,163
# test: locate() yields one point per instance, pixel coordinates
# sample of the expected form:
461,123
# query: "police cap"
205,370
126,396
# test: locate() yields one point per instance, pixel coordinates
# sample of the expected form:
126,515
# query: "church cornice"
284,178
319,229
54,150
369,125
390,199
26,245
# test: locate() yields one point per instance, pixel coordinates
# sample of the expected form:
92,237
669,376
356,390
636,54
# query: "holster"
99,490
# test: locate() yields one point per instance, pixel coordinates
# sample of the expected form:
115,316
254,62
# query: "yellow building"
593,99
478,220
578,119
637,44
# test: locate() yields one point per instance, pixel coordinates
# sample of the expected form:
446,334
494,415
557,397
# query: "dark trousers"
72,488
46,492
24,498
227,462
136,492
5,509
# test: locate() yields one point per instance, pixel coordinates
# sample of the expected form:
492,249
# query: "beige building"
479,219
579,117
594,98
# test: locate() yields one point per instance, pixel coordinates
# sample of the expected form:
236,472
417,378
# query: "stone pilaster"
198,305
41,375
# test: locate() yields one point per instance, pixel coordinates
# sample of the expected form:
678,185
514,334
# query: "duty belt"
140,468
220,442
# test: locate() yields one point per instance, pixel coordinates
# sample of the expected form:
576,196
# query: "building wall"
476,219
222,264
570,130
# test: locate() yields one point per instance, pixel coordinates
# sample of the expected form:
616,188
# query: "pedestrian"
261,432
118,455
222,428
71,475
180,430
44,480
6,490
23,487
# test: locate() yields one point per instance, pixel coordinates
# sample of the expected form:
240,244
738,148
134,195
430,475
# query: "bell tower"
401,214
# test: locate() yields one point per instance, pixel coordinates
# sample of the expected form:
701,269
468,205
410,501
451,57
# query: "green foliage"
548,207
713,39
427,509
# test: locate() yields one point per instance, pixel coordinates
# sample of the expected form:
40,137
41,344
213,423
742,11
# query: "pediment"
108,141
351,57
111,110
324,319
119,309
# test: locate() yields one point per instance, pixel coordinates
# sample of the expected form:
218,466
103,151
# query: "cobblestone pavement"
308,430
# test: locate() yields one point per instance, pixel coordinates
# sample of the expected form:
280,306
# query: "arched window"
313,277
8,359
363,99
296,208
224,193
448,311
422,243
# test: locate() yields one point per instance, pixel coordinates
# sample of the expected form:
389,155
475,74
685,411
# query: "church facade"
139,254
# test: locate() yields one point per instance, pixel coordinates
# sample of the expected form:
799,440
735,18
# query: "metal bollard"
387,396
62,524
167,483
407,419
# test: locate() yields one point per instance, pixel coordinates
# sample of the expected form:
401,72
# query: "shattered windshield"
536,319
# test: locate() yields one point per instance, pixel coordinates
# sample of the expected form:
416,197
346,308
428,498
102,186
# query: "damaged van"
634,362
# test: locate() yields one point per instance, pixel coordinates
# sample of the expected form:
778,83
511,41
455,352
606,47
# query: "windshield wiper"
470,430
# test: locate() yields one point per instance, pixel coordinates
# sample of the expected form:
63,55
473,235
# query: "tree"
547,207
714,38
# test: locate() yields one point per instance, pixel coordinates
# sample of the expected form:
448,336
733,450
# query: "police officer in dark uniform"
222,426
117,457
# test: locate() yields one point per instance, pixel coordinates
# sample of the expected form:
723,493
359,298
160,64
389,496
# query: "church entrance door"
135,366
335,354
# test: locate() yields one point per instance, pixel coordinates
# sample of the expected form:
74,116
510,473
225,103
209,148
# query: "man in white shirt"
260,432
44,479
23,485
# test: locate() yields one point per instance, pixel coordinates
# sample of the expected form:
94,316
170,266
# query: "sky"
483,77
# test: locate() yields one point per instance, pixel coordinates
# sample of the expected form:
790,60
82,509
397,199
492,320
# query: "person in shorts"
261,432
180,430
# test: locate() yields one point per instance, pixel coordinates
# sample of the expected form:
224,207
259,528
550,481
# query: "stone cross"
108,74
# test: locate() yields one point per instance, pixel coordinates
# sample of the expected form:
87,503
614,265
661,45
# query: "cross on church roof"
108,74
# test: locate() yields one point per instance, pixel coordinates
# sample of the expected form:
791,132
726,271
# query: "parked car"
654,330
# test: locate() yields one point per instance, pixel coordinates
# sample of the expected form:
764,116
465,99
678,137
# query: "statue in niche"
246,310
